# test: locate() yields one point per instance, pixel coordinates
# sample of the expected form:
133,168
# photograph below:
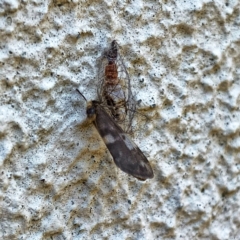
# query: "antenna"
81,95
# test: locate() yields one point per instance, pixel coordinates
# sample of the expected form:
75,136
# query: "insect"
115,89
126,154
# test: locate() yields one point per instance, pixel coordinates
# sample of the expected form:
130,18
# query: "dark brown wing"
126,154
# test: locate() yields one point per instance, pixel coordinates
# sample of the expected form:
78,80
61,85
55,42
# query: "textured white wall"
57,178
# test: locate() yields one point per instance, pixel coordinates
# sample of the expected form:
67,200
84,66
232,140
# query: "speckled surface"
57,179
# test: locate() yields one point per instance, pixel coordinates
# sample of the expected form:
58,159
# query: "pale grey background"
58,180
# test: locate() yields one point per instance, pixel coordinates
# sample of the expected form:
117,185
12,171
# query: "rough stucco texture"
57,179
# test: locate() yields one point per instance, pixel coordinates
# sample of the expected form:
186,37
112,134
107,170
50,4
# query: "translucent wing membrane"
115,89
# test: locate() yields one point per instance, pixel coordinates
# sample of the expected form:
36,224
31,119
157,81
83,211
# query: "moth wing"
126,85
126,154
102,63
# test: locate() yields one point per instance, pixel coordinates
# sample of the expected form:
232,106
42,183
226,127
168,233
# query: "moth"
115,90
126,154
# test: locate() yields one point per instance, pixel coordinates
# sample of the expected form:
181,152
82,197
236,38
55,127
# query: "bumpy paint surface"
57,180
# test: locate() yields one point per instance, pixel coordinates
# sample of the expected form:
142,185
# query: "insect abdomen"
111,74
